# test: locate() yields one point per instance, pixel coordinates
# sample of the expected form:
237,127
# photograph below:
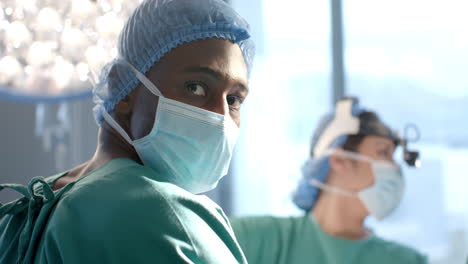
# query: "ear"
339,164
123,111
125,106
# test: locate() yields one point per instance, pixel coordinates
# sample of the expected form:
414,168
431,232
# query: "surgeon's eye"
234,101
196,88
385,154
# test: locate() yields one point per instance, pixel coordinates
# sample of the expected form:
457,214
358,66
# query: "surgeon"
168,114
350,174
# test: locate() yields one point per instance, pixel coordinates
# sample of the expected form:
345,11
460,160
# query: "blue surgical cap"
305,196
158,26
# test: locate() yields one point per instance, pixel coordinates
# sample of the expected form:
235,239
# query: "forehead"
376,142
222,56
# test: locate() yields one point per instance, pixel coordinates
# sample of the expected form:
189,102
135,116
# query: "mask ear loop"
348,154
320,185
142,78
147,83
360,157
332,189
116,126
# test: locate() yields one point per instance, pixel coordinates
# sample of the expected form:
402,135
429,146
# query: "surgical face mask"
384,195
190,146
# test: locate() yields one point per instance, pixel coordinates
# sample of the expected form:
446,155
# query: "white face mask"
190,146
384,195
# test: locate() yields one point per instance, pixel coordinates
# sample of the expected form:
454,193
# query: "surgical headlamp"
345,124
411,157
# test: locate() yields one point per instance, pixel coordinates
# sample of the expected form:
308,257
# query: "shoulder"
263,222
124,184
132,210
248,223
130,194
264,239
396,252
266,227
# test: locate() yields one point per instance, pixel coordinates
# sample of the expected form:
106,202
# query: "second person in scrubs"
350,175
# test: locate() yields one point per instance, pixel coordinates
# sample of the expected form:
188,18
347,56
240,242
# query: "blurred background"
407,60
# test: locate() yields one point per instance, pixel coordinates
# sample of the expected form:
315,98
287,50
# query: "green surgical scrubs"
119,213
300,240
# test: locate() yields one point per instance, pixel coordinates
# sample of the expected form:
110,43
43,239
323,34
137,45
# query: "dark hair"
352,142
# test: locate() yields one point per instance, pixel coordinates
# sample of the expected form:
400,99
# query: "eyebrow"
215,74
384,144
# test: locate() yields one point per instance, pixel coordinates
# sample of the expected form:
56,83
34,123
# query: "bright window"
289,92
405,59
408,61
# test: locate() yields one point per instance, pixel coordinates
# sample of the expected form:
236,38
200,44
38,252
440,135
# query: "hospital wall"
23,154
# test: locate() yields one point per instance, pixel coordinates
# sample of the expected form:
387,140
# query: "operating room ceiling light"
48,47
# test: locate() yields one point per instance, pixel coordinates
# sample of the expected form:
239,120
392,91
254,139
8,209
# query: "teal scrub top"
119,213
300,240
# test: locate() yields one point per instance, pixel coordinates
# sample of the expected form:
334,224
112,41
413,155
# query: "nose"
218,104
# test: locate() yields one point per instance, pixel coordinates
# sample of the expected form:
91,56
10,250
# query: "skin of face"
355,175
210,74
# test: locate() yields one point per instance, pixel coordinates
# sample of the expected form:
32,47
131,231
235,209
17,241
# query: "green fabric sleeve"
139,234
259,238
387,252
299,240
136,220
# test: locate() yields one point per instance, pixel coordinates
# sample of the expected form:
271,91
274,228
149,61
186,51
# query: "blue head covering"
318,168
158,26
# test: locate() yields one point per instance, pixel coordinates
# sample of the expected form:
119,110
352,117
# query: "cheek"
366,175
235,116
143,118
236,120
361,177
